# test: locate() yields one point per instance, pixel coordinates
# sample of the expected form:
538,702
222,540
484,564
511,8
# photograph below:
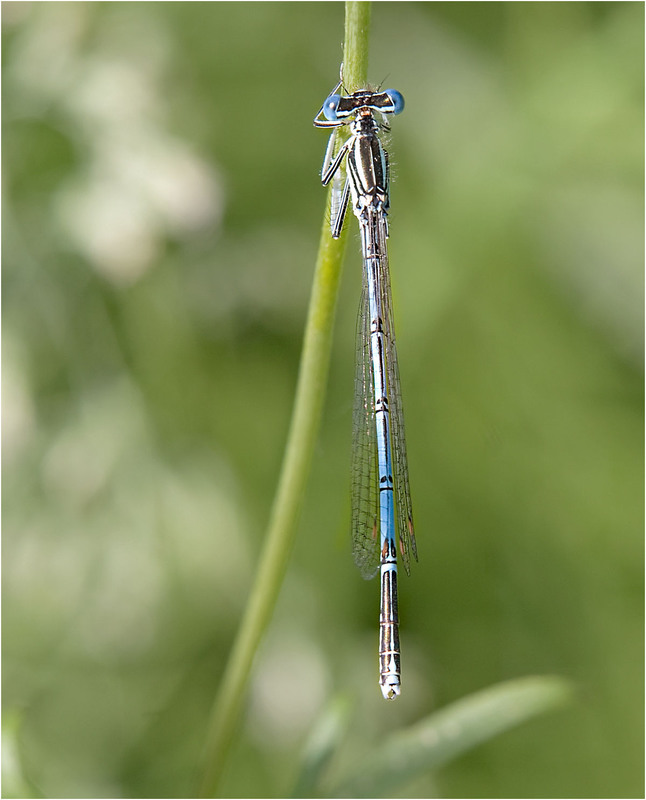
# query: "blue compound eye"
397,99
330,106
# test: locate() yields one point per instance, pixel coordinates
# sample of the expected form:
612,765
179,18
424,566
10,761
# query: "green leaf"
14,782
446,734
321,746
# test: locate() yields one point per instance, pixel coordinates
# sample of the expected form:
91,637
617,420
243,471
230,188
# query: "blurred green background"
161,216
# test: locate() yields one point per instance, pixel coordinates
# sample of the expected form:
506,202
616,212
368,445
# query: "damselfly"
381,506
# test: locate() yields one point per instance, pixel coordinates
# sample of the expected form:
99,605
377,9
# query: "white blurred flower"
137,185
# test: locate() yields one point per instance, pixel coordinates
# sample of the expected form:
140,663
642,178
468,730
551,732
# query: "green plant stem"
306,416
355,49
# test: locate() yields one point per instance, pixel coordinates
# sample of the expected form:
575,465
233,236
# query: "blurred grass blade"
321,746
446,734
14,782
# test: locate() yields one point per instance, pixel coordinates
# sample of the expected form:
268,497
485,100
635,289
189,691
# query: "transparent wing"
365,501
403,507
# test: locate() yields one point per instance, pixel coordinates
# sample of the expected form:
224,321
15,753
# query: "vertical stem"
306,416
355,49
